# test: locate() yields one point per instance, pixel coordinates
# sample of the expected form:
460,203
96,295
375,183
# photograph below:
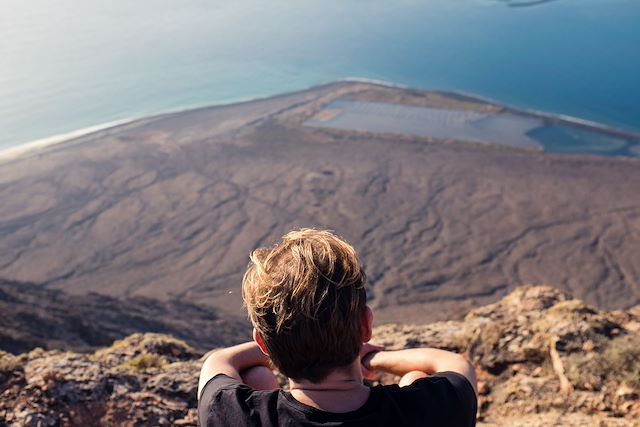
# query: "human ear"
366,324
258,339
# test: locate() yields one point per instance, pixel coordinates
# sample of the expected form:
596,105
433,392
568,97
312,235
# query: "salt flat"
443,123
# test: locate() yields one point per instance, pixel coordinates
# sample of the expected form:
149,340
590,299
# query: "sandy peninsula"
168,207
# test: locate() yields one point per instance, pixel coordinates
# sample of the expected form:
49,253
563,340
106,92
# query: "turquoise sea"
71,64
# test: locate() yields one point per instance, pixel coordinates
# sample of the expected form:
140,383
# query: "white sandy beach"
39,144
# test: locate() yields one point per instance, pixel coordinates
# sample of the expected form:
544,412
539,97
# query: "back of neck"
342,391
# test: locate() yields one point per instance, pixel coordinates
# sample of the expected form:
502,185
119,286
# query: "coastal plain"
169,208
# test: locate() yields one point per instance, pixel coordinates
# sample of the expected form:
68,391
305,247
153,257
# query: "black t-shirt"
443,399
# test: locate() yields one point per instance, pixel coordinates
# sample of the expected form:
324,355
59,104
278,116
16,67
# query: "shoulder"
221,381
445,397
457,381
225,399
219,388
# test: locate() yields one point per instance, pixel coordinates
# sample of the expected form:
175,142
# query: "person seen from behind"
306,300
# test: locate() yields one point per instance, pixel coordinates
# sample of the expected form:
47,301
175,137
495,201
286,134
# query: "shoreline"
15,152
577,121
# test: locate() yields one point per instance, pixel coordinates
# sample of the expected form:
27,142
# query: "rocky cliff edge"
542,357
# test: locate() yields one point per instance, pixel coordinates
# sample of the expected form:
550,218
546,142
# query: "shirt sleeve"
466,396
222,392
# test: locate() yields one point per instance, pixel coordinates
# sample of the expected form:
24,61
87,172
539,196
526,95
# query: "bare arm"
232,361
421,360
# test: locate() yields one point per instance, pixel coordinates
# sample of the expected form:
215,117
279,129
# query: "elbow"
465,360
467,366
468,371
461,365
461,362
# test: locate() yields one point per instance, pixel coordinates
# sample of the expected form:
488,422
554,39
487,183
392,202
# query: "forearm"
427,360
242,356
399,362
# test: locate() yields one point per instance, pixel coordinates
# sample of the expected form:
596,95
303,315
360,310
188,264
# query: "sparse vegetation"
143,362
133,350
619,362
572,307
585,371
622,358
9,362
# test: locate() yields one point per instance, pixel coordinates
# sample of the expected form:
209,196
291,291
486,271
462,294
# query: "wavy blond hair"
306,298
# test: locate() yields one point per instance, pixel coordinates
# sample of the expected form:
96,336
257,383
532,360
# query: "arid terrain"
543,359
33,316
168,208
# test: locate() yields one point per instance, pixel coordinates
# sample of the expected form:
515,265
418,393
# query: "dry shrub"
143,362
9,362
623,360
619,362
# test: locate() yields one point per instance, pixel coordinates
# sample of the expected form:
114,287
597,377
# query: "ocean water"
71,64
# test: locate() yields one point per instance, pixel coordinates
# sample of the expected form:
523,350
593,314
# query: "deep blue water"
70,64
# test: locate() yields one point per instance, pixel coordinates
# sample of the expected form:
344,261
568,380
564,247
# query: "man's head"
307,302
